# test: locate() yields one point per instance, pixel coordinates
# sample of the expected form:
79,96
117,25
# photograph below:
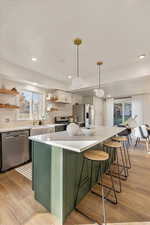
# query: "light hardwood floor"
17,204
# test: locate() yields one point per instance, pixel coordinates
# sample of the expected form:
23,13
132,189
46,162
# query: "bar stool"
116,147
99,157
124,140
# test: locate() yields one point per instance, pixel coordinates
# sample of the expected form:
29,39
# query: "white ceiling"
123,88
115,31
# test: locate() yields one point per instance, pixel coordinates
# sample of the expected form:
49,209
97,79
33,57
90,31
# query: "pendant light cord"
99,63
99,79
77,42
77,54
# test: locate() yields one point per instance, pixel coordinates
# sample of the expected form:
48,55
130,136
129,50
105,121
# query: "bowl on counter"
88,132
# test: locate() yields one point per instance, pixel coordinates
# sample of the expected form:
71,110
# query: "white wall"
141,108
18,73
109,112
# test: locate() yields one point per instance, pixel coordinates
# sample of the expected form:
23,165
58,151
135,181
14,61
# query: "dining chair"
141,133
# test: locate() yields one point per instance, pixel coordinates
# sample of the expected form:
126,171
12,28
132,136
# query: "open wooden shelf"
5,106
8,92
57,101
52,99
52,110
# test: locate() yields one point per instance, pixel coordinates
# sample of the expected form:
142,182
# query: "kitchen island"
57,160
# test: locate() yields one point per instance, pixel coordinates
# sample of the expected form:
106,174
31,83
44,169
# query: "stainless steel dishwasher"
14,149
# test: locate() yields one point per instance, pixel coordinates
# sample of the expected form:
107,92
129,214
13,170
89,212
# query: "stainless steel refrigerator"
84,114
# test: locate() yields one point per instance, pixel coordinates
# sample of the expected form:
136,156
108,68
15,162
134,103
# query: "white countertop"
2,130
77,143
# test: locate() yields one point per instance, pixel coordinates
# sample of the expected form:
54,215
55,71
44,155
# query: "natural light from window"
31,105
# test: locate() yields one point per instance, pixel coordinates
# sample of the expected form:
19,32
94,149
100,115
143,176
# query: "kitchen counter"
77,143
2,130
57,161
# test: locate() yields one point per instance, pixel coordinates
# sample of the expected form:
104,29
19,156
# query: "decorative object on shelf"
52,99
52,110
73,130
77,81
99,92
9,92
12,92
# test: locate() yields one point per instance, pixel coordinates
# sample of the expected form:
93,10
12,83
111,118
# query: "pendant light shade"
77,83
99,92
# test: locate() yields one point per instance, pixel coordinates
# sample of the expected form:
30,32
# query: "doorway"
122,111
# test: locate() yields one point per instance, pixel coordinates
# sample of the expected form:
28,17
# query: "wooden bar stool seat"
96,155
120,138
113,144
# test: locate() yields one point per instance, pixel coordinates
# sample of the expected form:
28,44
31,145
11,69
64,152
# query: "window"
122,111
31,105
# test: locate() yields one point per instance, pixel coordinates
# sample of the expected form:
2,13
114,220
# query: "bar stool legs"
103,198
99,156
127,155
117,175
80,184
122,172
124,167
124,142
101,183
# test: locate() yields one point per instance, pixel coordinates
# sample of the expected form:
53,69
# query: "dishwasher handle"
11,136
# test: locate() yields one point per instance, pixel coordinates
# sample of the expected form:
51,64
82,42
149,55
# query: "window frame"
31,105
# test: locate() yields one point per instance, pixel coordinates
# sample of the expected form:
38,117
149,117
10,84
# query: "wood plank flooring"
17,204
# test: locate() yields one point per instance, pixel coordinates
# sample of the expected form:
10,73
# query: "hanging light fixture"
77,81
99,92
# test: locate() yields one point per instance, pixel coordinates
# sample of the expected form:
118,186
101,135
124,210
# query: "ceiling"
116,32
123,88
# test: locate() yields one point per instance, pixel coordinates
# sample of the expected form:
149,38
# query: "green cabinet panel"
41,173
56,173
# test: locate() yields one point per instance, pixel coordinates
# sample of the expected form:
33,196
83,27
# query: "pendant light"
77,81
99,92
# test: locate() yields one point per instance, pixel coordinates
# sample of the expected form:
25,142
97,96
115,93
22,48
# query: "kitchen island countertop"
77,143
17,128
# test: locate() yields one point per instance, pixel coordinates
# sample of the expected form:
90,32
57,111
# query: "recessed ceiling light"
35,83
34,59
69,77
142,56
